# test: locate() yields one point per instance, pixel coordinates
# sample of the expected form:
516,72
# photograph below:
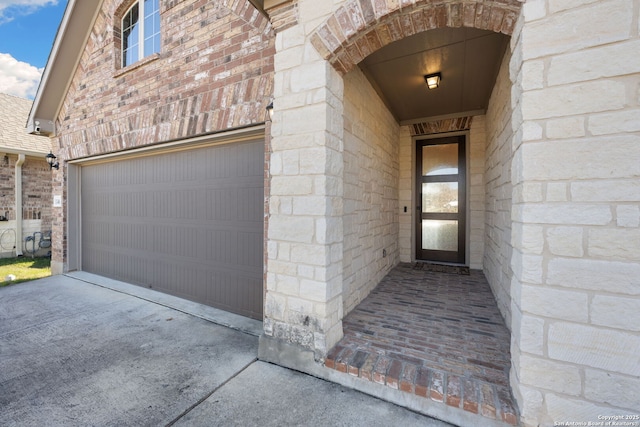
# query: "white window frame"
141,33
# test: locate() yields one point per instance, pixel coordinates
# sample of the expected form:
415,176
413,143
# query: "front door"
441,190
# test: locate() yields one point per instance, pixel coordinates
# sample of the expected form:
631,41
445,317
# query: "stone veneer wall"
498,191
371,171
576,214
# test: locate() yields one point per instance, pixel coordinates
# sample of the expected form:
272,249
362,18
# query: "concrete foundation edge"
300,359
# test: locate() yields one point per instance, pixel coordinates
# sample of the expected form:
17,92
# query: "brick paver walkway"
436,335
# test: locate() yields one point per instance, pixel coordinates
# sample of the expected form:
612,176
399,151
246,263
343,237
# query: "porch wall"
576,285
371,170
498,189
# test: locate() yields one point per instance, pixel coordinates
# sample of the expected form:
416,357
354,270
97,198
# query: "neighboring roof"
13,135
74,30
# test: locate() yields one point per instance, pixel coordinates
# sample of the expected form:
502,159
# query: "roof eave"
72,35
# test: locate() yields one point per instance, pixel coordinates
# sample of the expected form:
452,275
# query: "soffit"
468,59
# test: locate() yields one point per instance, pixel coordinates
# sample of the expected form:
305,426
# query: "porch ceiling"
468,59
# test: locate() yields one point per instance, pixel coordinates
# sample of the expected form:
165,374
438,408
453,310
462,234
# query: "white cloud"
18,78
11,8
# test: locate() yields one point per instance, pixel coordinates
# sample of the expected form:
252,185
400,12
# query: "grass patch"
24,269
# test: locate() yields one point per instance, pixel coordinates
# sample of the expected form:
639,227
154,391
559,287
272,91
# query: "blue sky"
27,31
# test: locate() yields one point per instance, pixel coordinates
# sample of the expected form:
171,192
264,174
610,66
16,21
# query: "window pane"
440,159
151,27
439,235
440,197
130,37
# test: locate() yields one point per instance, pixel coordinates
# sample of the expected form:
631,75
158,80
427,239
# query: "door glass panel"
440,197
439,235
440,159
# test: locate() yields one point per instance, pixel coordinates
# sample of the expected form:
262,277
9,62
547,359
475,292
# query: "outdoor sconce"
433,80
270,110
51,159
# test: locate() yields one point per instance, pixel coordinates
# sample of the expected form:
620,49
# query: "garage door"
188,223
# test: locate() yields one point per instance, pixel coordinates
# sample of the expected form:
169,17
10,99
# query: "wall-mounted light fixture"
270,111
433,80
51,159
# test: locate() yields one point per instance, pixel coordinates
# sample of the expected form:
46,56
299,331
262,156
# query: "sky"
27,31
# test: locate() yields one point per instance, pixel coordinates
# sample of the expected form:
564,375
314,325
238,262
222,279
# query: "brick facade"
214,72
360,27
36,201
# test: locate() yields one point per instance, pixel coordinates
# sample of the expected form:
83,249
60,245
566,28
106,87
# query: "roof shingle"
14,112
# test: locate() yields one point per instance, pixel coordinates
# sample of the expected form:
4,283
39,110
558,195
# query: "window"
140,37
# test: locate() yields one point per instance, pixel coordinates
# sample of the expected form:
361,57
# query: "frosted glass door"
441,200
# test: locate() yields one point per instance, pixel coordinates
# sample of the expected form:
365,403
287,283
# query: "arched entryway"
392,125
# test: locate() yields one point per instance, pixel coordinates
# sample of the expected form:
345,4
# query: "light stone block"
282,268
527,267
606,191
616,312
617,122
574,29
305,120
550,375
556,192
565,241
275,306
557,304
289,58
287,285
533,10
563,410
619,277
306,271
313,255
574,99
308,76
531,131
532,75
618,244
287,228
310,205
313,290
563,214
617,59
299,305
530,404
531,334
290,164
570,127
560,5
616,390
606,349
628,216
291,185
607,158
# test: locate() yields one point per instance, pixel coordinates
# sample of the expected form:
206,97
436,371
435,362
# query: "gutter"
18,198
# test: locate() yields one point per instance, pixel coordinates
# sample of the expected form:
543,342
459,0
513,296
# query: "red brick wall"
7,192
36,189
214,72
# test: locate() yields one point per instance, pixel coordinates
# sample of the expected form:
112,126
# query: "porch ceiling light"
51,159
433,80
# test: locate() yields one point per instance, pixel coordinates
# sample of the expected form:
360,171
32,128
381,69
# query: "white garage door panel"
188,223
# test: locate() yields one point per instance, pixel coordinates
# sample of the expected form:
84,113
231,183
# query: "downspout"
18,187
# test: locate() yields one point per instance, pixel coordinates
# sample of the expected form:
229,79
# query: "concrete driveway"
85,350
